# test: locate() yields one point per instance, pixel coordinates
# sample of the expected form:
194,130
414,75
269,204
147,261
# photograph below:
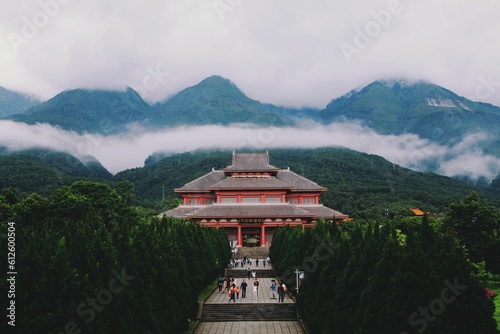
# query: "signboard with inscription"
251,220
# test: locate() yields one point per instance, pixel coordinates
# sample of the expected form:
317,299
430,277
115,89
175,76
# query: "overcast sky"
293,52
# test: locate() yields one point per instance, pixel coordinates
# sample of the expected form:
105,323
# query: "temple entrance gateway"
250,236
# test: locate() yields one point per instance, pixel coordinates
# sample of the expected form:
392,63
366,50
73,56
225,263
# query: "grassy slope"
494,285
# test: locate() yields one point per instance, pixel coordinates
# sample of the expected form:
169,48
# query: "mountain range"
12,103
396,107
92,111
421,108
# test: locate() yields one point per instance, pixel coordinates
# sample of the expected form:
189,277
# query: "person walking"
255,291
281,294
264,262
256,285
257,262
232,293
249,273
273,288
224,286
237,288
243,288
219,283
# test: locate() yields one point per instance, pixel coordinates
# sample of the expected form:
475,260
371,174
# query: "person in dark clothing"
219,283
281,293
243,288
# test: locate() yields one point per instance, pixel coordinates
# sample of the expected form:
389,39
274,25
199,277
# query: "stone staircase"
249,312
253,252
261,273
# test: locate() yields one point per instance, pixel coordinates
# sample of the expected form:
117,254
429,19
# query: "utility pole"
297,280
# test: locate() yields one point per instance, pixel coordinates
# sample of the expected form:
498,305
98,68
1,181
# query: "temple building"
251,198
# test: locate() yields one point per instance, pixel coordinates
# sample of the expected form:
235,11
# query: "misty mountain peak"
12,103
216,100
89,110
216,86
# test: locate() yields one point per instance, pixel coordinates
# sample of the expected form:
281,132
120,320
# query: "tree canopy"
368,278
87,261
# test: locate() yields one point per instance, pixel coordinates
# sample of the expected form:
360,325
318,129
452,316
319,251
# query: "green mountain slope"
93,111
425,109
216,100
42,171
14,103
359,184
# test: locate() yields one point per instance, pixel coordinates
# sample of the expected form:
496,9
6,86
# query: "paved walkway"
264,294
254,266
251,327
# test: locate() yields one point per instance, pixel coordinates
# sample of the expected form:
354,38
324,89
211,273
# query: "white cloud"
129,150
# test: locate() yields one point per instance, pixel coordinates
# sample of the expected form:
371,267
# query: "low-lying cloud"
129,150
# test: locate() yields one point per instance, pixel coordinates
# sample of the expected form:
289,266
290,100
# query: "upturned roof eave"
309,190
180,190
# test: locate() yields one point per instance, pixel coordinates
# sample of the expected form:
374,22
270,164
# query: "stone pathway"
251,327
264,297
264,294
264,305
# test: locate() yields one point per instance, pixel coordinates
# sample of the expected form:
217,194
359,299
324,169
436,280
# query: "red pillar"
240,237
263,235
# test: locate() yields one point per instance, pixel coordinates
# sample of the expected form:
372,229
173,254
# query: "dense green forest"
412,275
86,260
42,171
359,184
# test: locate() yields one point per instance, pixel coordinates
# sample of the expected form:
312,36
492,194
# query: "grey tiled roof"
298,182
250,162
202,183
179,212
229,211
248,210
251,183
321,211
284,179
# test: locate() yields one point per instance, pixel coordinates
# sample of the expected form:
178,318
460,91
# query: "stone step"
253,252
249,312
259,273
